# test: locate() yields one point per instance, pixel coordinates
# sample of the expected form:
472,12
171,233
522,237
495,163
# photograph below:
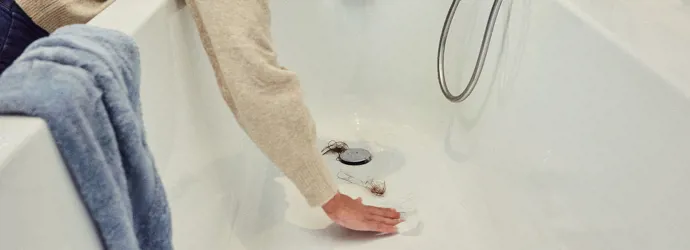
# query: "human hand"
352,214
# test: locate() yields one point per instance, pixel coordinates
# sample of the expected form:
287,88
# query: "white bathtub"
575,138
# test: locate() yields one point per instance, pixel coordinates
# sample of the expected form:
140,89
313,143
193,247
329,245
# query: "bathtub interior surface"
569,142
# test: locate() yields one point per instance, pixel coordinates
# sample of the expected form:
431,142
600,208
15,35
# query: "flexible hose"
483,50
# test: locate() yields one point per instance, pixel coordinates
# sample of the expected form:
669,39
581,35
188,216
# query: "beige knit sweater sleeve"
53,14
265,98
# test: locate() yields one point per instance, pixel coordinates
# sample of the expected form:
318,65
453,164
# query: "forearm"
265,98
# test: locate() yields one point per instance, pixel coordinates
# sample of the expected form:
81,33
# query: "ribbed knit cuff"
53,14
314,181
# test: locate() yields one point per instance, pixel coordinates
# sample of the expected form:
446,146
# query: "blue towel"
84,82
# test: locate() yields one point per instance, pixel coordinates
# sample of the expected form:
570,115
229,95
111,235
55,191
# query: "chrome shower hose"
483,50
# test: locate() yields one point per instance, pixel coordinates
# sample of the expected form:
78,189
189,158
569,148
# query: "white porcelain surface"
575,137
39,206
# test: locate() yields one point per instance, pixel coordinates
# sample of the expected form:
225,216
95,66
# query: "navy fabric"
17,31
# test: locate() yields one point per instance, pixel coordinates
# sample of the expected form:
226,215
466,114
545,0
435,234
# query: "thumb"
359,200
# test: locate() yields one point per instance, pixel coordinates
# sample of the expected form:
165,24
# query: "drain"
355,156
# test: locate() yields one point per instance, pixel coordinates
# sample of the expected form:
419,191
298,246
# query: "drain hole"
347,155
355,156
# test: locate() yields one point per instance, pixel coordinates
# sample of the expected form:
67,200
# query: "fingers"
367,218
385,212
383,228
384,220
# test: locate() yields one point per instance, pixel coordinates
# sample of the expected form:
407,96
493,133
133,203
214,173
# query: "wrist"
332,205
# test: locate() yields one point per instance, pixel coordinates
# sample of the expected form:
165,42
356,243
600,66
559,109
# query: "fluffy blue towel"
84,82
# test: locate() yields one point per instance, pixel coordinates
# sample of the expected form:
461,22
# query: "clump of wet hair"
336,147
376,187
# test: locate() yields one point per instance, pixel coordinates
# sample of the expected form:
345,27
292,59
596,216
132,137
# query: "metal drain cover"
355,156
